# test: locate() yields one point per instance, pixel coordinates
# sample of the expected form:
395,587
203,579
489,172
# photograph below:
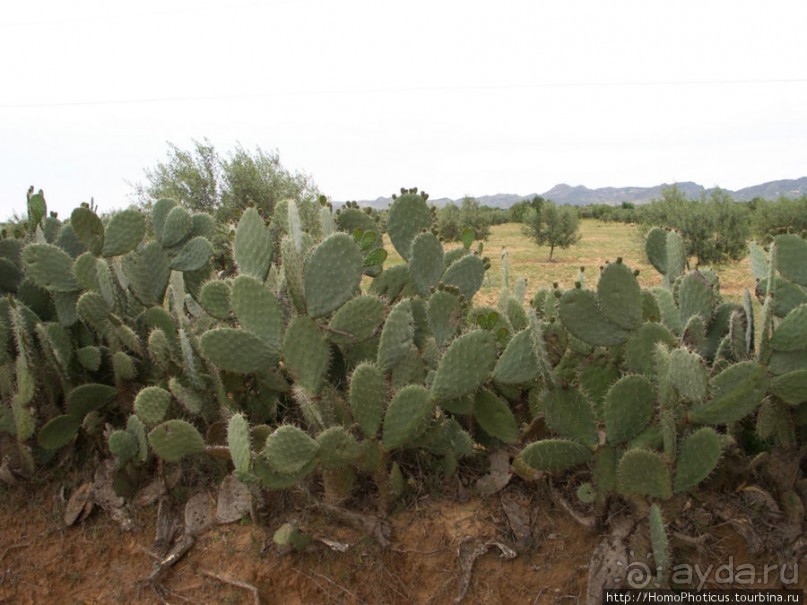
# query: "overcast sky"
455,98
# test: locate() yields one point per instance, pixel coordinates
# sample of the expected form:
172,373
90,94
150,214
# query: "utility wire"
398,90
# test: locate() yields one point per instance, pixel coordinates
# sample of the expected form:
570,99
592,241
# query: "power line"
407,89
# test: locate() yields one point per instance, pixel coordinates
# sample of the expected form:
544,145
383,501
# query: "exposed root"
234,582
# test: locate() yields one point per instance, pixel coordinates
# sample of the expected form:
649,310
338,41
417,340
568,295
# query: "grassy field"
600,242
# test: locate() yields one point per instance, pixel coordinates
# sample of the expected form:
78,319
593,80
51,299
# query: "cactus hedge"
324,363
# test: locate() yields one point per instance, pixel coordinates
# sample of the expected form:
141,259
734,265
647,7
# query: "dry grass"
601,242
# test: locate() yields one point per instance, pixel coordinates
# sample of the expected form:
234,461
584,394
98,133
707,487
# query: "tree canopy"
205,181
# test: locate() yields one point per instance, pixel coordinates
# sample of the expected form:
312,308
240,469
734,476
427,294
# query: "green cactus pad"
177,227
273,480
49,267
123,445
568,412
65,304
368,392
238,442
659,542
123,232
148,271
791,252
193,255
88,397
426,264
88,229
697,458
555,455
392,283
620,296
495,417
606,461
332,274
407,416
252,247
688,374
466,274
357,320
397,336
89,357
719,327
628,408
59,431
650,307
135,427
736,392
151,405
306,353
158,348
696,296
123,366
409,215
791,333
257,310
782,362
175,439
337,448
791,387
204,225
656,249
93,310
237,351
644,473
670,316
189,398
444,314
159,214
215,298
518,364
289,449
466,365
583,318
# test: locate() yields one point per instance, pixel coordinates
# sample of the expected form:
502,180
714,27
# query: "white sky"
366,96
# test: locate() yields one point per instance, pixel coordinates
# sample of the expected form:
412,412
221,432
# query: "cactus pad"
620,296
59,431
49,267
495,417
644,473
628,408
407,416
466,274
332,274
215,298
555,455
237,351
736,392
426,264
151,405
697,458
193,255
465,366
409,215
257,310
238,442
306,353
357,320
368,392
89,397
289,449
175,439
123,232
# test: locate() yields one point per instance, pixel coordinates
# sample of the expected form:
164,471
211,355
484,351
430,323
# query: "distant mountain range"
581,196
